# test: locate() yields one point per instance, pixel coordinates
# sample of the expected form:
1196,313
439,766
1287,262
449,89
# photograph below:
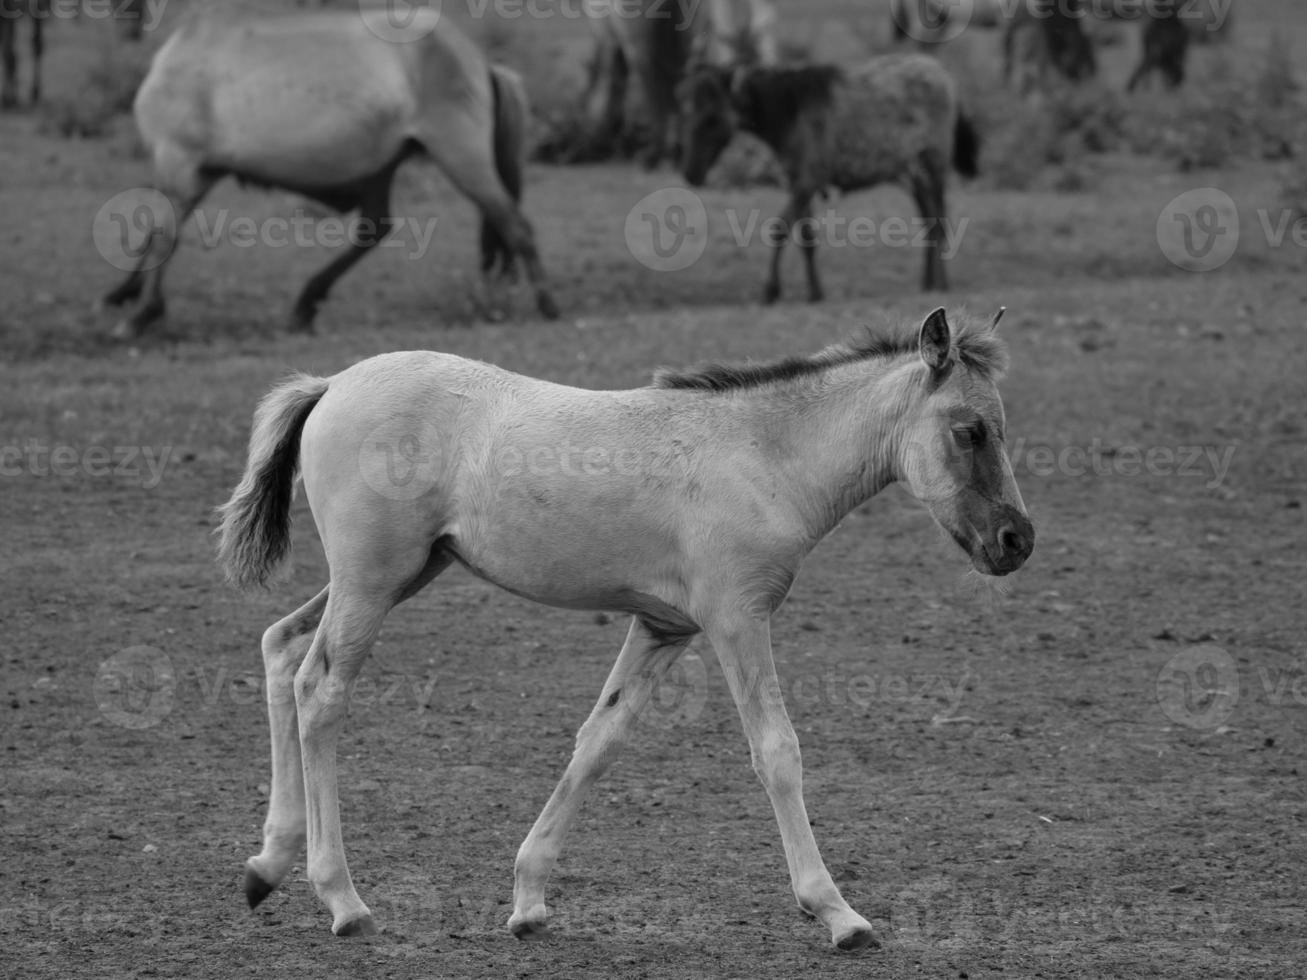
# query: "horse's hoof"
527,931
548,308
770,295
257,888
816,297
855,939
300,324
361,927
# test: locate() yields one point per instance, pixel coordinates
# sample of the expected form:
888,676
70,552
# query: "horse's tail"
510,123
966,146
255,531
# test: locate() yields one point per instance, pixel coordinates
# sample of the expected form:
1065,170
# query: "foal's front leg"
642,663
744,649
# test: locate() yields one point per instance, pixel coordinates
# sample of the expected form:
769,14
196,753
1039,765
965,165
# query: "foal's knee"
779,764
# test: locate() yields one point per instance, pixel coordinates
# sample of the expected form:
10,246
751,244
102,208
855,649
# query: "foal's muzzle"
1009,543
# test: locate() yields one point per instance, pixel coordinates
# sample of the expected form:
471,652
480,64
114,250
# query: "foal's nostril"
1011,541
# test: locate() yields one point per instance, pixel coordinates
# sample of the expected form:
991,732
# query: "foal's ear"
934,341
993,324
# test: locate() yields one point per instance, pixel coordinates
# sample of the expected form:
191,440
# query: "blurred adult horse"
37,12
896,119
328,104
657,41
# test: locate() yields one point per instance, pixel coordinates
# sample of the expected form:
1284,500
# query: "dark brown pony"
1044,36
894,120
1166,41
11,12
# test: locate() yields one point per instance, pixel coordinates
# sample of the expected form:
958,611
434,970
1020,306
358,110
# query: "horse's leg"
374,212
284,647
808,247
38,49
928,193
184,184
644,659
8,62
771,290
744,649
485,190
606,102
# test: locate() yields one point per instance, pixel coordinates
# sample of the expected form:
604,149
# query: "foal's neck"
775,99
838,436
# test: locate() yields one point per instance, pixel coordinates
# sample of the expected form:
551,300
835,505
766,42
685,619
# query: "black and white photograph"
662,489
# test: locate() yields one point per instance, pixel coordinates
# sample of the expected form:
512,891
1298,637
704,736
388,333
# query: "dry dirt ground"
1096,771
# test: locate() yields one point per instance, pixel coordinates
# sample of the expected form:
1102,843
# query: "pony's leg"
744,649
928,193
184,185
38,49
644,659
605,104
375,565
808,248
284,647
8,63
497,208
771,290
374,211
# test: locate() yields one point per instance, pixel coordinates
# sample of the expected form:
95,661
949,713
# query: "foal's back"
884,115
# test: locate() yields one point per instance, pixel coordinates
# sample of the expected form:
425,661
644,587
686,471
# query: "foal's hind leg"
38,49
8,63
644,660
284,647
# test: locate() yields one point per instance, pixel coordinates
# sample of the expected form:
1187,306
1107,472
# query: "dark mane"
974,346
770,98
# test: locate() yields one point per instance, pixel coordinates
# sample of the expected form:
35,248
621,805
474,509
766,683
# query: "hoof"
257,888
856,939
548,308
362,926
300,324
530,930
770,295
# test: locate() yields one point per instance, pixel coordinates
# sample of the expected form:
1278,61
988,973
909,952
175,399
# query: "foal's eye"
967,436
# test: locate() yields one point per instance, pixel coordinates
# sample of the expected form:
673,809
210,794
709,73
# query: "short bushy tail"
966,146
255,531
511,112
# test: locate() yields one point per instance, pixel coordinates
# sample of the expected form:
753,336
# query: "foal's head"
709,120
950,449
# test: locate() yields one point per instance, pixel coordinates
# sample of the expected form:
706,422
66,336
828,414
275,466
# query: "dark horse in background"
657,41
319,104
1166,40
896,119
1046,36
37,12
